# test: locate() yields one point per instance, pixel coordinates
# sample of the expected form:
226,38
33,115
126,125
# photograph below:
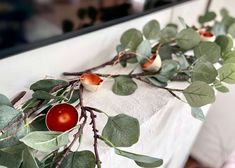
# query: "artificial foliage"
202,57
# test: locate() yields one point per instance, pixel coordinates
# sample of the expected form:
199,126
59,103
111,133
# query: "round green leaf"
220,87
168,70
204,71
122,130
227,73
124,85
225,42
209,16
224,12
28,160
131,39
208,51
168,34
151,30
187,39
4,100
218,29
165,52
199,94
81,159
144,50
197,113
229,54
47,84
10,160
231,30
45,141
140,160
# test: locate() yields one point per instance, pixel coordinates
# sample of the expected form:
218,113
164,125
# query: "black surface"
26,47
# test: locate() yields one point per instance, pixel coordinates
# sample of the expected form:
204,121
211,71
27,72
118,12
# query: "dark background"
28,24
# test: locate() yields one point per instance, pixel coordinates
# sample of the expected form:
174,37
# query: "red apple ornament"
61,117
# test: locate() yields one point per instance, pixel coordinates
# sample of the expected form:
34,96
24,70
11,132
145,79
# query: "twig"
18,97
96,136
135,75
113,61
165,88
79,132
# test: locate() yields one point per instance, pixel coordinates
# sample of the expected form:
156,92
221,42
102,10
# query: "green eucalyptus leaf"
227,55
144,50
131,39
187,39
10,160
74,97
28,160
231,30
169,69
229,60
199,94
224,12
46,141
124,85
43,95
183,23
165,52
184,64
197,113
140,160
4,100
120,48
220,87
122,130
218,29
172,25
168,34
47,84
151,30
154,81
8,116
208,51
225,42
209,16
204,71
227,21
227,73
81,159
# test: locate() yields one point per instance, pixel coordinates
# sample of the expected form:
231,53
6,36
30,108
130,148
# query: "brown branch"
80,130
18,97
165,88
96,136
113,61
135,75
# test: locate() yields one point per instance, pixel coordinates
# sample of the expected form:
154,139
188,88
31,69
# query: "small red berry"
61,117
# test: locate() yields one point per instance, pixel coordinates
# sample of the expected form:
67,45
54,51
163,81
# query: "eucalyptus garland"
35,134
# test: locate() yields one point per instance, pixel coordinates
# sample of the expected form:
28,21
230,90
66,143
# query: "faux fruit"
206,36
91,82
61,117
153,63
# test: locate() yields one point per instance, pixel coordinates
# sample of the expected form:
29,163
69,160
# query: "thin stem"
18,97
135,75
165,88
113,61
96,136
80,130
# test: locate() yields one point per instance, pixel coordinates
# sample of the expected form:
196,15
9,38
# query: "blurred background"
27,21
